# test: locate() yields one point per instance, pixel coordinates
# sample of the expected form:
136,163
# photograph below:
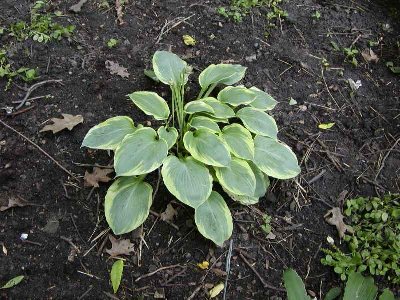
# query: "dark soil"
287,65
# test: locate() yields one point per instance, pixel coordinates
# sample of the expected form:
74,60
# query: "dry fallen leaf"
216,290
68,121
169,213
334,217
370,55
120,247
219,272
12,202
5,251
115,68
120,13
203,265
98,175
78,6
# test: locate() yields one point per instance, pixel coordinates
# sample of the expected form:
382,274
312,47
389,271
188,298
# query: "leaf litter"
116,69
169,213
12,202
67,122
98,175
334,217
120,247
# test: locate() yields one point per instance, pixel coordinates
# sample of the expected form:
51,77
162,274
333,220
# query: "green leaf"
237,177
13,282
214,220
151,104
116,274
108,134
140,153
221,110
262,184
294,286
258,122
169,68
333,293
198,106
151,75
359,287
221,74
207,147
263,101
387,295
275,158
236,95
127,204
187,179
239,141
169,135
205,123
326,125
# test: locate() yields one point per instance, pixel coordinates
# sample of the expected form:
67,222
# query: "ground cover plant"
375,245
229,139
357,287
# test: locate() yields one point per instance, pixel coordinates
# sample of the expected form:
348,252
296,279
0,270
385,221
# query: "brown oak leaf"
12,202
119,247
115,68
68,122
98,175
369,55
169,213
334,217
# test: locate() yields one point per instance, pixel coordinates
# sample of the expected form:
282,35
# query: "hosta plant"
228,139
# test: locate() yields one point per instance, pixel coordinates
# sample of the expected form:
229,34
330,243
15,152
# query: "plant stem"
212,87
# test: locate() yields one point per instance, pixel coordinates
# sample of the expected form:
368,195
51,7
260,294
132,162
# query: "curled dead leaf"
116,69
98,175
68,122
120,247
10,202
370,55
334,217
169,213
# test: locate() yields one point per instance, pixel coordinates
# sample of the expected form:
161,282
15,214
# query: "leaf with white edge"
116,274
221,110
187,179
199,122
262,184
263,101
214,220
12,282
387,295
207,147
108,134
127,204
258,122
169,68
359,287
237,177
295,288
151,104
239,141
221,74
236,95
140,153
198,106
275,158
169,135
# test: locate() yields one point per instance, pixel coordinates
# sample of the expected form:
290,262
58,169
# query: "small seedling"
227,139
316,15
12,282
112,43
116,274
351,55
266,227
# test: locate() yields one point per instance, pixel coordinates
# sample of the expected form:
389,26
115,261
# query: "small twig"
327,88
384,159
93,165
76,227
16,113
69,241
165,29
31,242
85,293
176,275
264,283
228,267
156,271
195,292
317,177
40,149
34,87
